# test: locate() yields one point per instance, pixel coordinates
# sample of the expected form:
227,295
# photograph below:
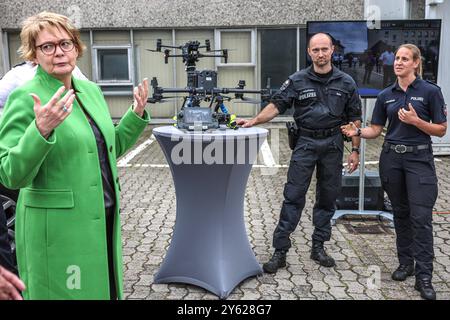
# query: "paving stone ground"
364,262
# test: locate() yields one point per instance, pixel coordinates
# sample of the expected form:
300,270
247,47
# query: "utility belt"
295,132
401,148
319,133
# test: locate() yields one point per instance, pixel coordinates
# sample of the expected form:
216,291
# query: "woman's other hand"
409,117
140,97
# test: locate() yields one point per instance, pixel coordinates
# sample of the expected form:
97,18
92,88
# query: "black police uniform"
407,169
322,104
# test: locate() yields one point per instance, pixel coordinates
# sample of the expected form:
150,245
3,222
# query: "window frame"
253,46
96,69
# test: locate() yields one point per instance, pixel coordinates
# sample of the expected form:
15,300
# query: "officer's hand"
350,130
409,117
352,162
10,286
245,123
51,115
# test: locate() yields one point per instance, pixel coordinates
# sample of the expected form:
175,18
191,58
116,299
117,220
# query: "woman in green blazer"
61,153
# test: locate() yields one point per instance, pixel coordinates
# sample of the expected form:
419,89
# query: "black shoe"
319,255
403,271
425,288
277,261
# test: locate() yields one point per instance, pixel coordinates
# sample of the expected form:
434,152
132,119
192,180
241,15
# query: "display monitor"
365,51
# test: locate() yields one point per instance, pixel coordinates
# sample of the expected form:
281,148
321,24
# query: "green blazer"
60,214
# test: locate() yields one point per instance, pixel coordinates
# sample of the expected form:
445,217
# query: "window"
278,64
241,65
113,68
241,44
114,65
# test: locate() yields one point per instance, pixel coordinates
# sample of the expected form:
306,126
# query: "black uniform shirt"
425,97
320,101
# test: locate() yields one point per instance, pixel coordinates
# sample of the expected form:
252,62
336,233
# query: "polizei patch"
307,94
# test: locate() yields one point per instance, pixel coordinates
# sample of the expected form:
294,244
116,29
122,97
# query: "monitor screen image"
367,53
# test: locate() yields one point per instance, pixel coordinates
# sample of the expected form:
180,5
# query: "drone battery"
373,192
207,80
196,118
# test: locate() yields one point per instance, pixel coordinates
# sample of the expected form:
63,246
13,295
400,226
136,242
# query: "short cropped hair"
325,34
35,24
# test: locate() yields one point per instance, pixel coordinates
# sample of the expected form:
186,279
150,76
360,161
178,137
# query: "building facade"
266,39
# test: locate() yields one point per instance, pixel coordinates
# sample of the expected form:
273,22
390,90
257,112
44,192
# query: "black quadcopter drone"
202,87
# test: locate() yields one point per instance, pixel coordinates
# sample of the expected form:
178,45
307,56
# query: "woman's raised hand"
51,115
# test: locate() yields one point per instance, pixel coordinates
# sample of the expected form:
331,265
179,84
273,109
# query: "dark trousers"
109,242
410,181
326,156
6,257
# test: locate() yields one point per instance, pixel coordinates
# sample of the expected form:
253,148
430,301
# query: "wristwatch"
358,132
355,149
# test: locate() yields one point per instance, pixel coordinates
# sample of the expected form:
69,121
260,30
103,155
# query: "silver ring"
64,108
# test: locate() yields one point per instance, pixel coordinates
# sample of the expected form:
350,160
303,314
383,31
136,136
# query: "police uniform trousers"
410,182
324,154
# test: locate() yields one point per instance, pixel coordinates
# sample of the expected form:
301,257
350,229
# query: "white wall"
390,9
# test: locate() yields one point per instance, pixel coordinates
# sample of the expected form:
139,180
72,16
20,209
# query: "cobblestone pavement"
364,262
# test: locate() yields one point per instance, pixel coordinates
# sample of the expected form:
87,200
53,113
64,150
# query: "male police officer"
324,98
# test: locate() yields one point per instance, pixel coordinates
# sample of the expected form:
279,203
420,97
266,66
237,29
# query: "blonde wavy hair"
44,20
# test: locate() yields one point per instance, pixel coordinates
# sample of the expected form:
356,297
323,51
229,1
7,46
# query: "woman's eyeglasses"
49,48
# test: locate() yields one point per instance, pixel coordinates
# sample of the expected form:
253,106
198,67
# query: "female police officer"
416,110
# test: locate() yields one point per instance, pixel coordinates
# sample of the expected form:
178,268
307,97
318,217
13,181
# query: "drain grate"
367,229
